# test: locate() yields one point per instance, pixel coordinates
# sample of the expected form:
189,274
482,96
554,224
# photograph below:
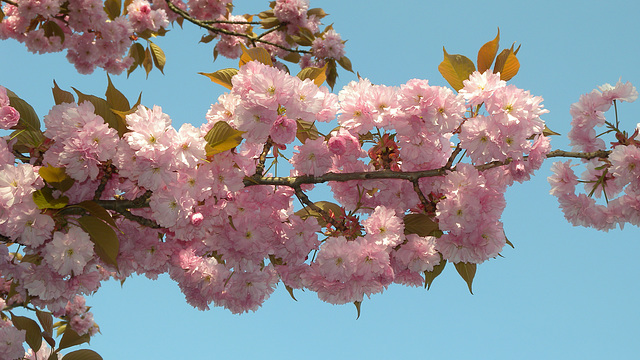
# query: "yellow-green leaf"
222,137
60,96
487,53
507,64
83,354
256,53
222,77
52,174
28,118
455,69
317,75
71,338
104,238
115,99
467,271
419,224
43,199
548,132
158,56
270,22
318,12
429,276
205,39
33,336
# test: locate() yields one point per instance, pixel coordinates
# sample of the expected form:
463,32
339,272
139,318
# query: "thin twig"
328,218
9,2
214,29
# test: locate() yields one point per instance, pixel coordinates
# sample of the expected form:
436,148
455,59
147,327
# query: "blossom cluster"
99,34
614,178
9,116
228,242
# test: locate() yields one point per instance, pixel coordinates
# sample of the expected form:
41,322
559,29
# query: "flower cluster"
9,116
614,178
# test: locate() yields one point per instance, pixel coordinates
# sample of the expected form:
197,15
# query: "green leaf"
43,199
328,208
158,56
317,75
419,224
429,276
455,68
548,132
33,336
46,320
115,99
222,137
256,53
83,354
51,28
136,51
345,63
147,62
467,271
71,338
29,121
222,77
290,290
318,12
332,73
487,54
357,304
205,39
104,238
507,64
98,211
103,109
306,130
112,8
60,96
270,22
292,57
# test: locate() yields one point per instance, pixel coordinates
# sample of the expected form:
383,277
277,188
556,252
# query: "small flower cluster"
9,116
615,177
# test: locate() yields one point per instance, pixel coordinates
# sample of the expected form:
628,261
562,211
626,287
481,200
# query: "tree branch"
10,2
581,155
205,25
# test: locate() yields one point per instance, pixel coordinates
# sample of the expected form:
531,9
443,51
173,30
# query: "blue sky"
563,292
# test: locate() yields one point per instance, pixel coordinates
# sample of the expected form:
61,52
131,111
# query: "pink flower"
564,180
384,227
330,45
623,92
69,253
283,131
479,87
418,254
11,340
313,158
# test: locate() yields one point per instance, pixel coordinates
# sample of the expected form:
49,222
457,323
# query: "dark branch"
9,2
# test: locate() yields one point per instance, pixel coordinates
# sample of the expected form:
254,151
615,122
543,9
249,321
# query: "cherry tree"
418,172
